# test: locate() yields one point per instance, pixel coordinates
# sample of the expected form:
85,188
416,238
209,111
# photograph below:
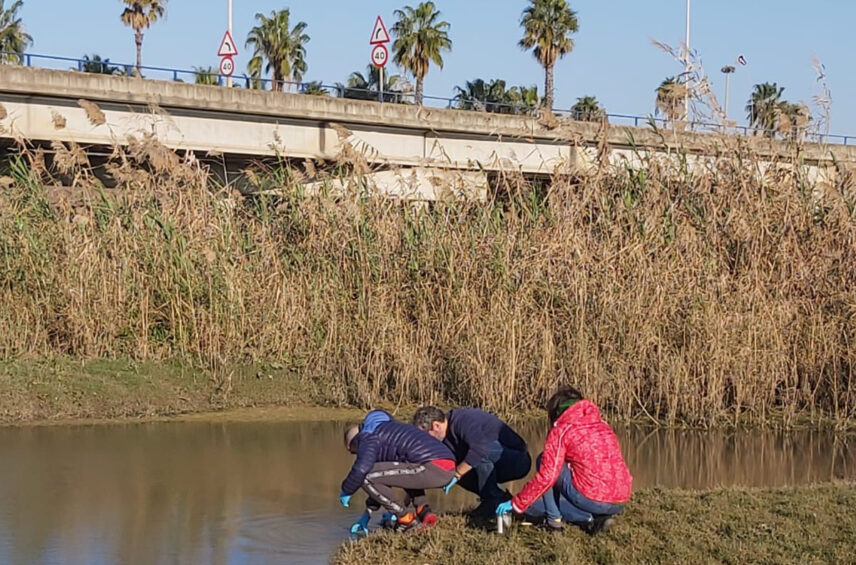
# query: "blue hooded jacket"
374,419
383,439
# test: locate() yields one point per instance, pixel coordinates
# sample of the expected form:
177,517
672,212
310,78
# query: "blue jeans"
500,465
564,501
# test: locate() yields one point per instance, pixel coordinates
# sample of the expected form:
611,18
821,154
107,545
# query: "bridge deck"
42,105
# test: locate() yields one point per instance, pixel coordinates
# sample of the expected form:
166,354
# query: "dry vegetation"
704,295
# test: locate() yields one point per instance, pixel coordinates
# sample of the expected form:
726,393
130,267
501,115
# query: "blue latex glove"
361,526
503,508
452,483
345,499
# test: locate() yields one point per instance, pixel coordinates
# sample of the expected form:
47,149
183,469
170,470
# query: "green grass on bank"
814,524
69,390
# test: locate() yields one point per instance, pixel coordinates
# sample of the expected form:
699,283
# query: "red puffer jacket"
581,439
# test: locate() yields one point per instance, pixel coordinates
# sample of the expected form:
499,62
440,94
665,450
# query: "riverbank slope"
66,390
813,524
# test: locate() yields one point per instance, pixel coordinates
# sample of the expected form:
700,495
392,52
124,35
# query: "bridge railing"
209,76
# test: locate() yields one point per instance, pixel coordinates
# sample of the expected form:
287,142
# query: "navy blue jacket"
471,431
383,439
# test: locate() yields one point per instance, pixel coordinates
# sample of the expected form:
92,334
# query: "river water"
247,493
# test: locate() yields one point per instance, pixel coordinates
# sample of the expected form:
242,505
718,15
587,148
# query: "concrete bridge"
407,147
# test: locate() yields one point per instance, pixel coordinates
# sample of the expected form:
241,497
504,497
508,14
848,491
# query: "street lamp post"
727,71
229,78
687,67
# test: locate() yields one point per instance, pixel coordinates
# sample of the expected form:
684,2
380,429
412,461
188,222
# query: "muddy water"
249,493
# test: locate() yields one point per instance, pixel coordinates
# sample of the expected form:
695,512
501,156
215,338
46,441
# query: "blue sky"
613,59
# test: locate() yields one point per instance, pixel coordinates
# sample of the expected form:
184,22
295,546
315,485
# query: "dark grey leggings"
414,478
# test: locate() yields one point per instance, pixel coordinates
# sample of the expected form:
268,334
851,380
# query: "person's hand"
503,508
361,526
452,483
345,499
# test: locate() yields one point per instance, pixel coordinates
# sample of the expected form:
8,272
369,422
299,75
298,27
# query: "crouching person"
582,477
487,451
390,455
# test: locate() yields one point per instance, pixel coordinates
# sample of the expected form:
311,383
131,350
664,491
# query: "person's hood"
582,412
374,419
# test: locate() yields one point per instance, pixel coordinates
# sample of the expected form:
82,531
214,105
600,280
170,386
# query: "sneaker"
426,515
555,526
408,523
601,524
485,509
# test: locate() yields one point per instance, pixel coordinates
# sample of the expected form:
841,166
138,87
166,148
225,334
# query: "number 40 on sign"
380,56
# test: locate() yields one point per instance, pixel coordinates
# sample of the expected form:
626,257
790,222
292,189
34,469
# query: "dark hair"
426,416
558,402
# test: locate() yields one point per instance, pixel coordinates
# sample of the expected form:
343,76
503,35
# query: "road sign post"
226,52
380,54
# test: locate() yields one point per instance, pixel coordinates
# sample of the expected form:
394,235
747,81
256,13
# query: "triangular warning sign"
379,33
227,46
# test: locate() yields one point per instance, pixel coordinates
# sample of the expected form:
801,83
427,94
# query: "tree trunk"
277,80
548,87
420,85
138,38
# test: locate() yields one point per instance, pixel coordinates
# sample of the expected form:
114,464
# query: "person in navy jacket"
487,451
392,454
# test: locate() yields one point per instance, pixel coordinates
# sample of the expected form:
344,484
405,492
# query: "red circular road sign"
380,56
227,66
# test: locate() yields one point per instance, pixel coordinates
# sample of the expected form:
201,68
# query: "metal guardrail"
342,91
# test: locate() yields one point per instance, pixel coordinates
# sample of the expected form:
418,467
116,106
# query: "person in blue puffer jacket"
392,454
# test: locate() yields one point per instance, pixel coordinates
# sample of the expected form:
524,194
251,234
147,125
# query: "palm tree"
284,49
140,15
524,99
252,83
764,107
207,75
420,39
482,96
588,109
364,86
547,28
97,65
314,88
14,40
670,99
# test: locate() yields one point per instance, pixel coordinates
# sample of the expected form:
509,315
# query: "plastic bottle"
503,522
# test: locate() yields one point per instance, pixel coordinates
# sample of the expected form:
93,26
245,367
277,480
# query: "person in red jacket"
581,474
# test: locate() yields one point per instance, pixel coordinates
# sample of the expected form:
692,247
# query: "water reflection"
267,493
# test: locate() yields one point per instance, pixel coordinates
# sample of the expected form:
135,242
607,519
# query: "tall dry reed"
688,294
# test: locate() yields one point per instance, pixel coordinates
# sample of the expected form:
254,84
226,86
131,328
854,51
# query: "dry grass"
720,293
813,524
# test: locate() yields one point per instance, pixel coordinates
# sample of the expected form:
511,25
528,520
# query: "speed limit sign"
227,66
380,55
